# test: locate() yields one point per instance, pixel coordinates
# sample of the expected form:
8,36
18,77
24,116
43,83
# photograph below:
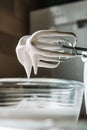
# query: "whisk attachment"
46,48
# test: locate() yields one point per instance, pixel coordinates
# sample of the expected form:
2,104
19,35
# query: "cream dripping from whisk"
42,49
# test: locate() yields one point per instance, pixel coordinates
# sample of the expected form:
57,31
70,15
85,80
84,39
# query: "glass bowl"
40,100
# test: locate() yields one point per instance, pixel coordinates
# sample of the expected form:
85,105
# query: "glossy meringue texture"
42,49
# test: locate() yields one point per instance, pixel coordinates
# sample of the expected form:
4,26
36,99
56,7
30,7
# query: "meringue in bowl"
42,101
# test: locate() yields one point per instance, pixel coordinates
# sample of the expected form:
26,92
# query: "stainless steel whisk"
66,44
47,48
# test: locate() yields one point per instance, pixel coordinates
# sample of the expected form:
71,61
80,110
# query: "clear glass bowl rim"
39,81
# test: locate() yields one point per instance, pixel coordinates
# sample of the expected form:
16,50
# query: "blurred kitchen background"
23,17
